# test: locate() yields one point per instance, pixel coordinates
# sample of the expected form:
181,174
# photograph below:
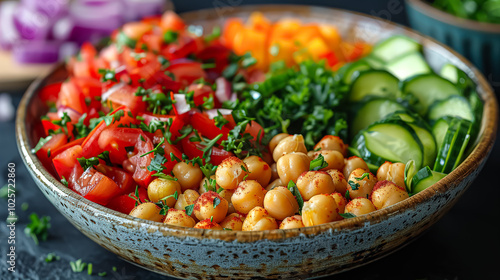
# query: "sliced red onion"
31,24
62,28
51,8
36,51
8,34
180,104
68,49
234,97
72,114
224,89
212,113
138,9
111,90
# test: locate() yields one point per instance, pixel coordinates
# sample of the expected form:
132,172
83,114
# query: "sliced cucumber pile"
396,98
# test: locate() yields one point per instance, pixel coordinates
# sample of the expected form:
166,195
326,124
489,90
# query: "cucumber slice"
374,83
410,171
373,168
408,65
424,90
374,62
352,71
455,106
394,47
424,135
453,147
449,72
425,178
458,77
389,140
439,129
372,111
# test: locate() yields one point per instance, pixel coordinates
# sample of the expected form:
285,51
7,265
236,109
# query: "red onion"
223,91
72,114
36,51
31,24
8,34
112,90
212,113
138,9
180,104
51,8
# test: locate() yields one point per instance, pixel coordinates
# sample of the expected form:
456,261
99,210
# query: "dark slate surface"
462,245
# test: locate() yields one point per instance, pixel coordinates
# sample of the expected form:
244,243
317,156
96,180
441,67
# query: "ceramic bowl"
478,41
279,254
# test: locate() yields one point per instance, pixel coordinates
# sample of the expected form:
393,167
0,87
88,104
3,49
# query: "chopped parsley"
107,75
318,163
365,175
189,209
347,215
64,181
170,37
220,121
354,186
41,143
216,202
135,196
295,191
51,257
216,32
78,265
38,229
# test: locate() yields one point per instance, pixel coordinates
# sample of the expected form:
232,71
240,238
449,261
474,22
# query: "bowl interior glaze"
130,236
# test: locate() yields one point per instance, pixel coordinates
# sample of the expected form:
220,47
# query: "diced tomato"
55,142
138,164
135,30
124,96
256,130
171,21
50,92
192,150
201,93
124,203
66,161
96,187
48,126
160,79
119,176
207,128
64,147
331,58
116,139
72,97
218,155
181,48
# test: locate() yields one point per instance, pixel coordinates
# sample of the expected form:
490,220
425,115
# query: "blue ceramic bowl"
477,41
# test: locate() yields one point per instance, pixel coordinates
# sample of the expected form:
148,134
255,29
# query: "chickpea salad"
255,125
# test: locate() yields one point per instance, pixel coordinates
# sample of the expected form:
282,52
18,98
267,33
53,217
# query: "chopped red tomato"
50,92
171,21
96,187
119,176
66,161
186,71
124,96
45,153
207,128
124,203
70,96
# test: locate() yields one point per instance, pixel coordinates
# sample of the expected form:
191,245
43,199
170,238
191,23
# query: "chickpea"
359,206
247,196
360,183
334,159
280,203
204,207
258,170
290,166
230,173
292,222
320,209
188,176
233,221
179,218
312,183
227,194
289,144
274,172
258,219
160,188
341,201
147,211
207,224
189,197
275,141
394,172
354,163
338,180
274,184
332,143
386,193
205,183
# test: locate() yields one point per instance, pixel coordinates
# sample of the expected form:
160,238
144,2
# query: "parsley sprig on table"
38,229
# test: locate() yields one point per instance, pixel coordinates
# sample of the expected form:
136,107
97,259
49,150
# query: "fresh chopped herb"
63,122
230,71
210,184
64,181
142,138
189,209
153,126
38,229
114,268
78,265
41,143
220,189
129,149
347,195
211,219
88,163
175,196
107,75
216,202
163,61
4,191
365,175
170,36
49,153
164,208
347,215
274,50
226,229
318,163
105,157
220,121
162,175
248,60
174,158
295,191
80,130
25,206
208,65
216,32
354,186
123,40
156,150
89,269
51,257
101,274
135,196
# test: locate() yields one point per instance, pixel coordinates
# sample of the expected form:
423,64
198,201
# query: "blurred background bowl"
477,41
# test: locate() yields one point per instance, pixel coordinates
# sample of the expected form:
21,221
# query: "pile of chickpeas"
252,194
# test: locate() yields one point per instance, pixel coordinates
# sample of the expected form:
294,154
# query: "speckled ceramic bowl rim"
479,154
437,14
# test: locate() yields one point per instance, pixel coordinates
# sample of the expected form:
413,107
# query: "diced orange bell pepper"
171,21
253,41
281,49
317,48
285,29
306,34
259,22
135,30
330,35
232,27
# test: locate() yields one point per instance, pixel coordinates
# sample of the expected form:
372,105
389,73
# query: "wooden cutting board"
15,76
